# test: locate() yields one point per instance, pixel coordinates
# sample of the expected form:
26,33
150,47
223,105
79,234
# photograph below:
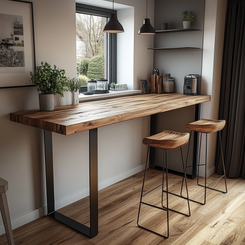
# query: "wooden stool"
5,211
165,140
207,126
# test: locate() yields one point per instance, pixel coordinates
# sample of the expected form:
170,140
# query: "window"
96,50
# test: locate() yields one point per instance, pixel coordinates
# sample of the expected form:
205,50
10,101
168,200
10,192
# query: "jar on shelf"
91,85
168,83
102,84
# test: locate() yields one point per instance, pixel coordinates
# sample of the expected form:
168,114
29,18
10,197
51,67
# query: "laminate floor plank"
220,221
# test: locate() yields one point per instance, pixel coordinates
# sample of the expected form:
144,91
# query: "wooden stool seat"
167,140
5,211
206,125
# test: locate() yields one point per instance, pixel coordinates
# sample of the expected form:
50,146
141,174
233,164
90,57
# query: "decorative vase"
46,102
75,97
186,24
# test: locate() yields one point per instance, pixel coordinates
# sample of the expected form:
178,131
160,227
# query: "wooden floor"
220,221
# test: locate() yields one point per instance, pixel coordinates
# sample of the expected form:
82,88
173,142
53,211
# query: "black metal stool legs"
141,202
165,208
184,179
205,186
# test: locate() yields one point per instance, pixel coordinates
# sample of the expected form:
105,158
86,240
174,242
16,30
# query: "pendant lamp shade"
147,28
113,25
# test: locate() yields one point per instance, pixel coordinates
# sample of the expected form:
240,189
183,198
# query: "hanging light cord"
146,8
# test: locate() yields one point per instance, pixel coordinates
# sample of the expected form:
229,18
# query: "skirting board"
210,171
28,217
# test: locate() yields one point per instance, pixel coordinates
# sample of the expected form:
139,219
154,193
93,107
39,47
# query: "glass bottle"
168,83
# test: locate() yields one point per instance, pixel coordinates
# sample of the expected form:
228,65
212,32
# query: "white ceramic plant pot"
186,24
75,97
46,102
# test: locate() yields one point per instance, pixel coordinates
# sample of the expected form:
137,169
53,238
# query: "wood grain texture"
220,222
167,139
206,125
94,114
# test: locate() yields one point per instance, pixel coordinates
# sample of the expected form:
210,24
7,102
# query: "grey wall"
177,62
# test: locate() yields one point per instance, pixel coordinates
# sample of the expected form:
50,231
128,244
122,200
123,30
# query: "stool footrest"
188,215
152,231
154,206
212,189
151,190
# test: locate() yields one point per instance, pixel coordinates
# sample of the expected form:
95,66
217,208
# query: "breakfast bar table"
90,116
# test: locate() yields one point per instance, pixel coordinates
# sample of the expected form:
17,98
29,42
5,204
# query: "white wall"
211,71
125,71
121,153
142,56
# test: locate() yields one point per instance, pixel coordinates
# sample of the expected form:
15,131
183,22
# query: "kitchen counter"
94,114
90,116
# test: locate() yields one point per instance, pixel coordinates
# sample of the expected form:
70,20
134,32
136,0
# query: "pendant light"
147,28
113,25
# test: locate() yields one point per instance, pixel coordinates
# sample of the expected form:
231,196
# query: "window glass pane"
90,43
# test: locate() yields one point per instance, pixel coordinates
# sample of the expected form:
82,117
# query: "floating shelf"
175,30
172,48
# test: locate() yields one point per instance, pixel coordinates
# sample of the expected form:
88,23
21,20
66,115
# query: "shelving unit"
176,30
172,31
173,48
179,52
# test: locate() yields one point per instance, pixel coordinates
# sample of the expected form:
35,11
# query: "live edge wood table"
90,116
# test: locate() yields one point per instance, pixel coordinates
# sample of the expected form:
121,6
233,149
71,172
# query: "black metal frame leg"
205,186
91,231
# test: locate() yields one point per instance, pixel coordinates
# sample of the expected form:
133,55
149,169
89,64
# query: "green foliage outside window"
83,67
96,67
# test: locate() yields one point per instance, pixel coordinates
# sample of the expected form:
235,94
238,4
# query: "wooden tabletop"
94,114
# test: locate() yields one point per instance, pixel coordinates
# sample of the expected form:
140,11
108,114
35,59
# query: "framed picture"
17,46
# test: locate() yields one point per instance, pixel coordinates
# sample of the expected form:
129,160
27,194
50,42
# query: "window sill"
111,94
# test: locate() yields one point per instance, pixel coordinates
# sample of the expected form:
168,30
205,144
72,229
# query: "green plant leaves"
188,16
50,80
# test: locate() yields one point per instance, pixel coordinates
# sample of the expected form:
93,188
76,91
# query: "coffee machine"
191,84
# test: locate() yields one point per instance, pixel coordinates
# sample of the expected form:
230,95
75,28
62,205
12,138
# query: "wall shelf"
174,48
175,30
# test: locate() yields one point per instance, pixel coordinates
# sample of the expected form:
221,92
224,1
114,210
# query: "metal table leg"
91,231
195,142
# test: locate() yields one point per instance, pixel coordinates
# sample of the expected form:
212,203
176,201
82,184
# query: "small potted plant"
74,85
49,81
112,86
187,18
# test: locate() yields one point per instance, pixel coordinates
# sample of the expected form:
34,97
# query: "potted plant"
49,81
187,18
112,86
74,85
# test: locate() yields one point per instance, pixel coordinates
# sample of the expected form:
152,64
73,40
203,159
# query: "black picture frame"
17,44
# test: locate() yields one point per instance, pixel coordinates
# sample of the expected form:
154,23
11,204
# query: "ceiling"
102,3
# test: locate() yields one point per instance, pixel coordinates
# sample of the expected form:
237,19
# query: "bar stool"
5,211
165,140
207,126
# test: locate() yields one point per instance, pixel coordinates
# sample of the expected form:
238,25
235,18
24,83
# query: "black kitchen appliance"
191,84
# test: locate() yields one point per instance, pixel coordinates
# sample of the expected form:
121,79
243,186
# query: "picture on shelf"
11,42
